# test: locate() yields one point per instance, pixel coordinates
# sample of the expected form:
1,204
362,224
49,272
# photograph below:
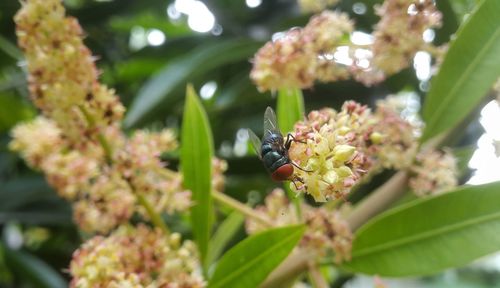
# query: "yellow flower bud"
343,153
376,138
331,177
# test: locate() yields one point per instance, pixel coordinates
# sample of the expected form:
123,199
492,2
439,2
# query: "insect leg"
296,179
300,168
290,138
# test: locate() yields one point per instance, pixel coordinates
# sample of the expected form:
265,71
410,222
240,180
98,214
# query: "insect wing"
256,143
270,123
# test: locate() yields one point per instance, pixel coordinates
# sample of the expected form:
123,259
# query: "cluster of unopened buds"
326,231
296,58
433,172
322,52
336,149
136,257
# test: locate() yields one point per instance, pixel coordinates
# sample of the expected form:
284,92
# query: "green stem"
379,200
106,147
102,140
155,217
316,277
297,201
296,263
242,208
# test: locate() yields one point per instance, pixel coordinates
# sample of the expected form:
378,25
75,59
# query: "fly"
273,149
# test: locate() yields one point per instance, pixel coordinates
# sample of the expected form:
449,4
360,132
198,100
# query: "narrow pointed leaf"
33,270
429,235
223,235
160,87
470,68
196,158
247,264
290,108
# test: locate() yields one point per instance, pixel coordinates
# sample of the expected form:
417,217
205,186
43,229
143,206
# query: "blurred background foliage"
148,51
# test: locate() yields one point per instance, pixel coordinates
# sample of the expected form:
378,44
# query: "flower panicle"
399,33
302,55
79,147
397,137
63,78
433,172
321,51
326,230
136,257
332,149
338,148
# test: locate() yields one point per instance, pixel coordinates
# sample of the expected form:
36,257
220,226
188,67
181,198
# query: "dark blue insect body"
273,150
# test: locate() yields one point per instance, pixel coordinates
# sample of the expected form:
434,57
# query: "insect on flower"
273,150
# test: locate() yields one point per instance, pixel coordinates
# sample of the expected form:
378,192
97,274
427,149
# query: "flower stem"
379,200
242,208
294,264
297,200
155,217
316,277
102,140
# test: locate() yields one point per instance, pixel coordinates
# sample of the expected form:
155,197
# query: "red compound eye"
283,173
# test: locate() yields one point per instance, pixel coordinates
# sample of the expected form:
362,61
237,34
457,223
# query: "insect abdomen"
273,160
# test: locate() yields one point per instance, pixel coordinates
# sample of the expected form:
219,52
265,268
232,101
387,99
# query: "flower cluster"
103,196
62,74
79,146
139,163
399,34
333,149
433,172
276,209
326,230
300,56
397,145
319,52
136,257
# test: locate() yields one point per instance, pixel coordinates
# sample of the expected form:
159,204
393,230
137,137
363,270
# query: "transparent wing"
270,123
257,145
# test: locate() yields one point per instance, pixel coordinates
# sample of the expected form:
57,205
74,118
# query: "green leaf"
429,235
470,68
290,108
449,22
39,217
27,190
463,156
223,235
235,92
33,270
248,263
196,167
201,60
13,110
10,48
5,274
149,20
